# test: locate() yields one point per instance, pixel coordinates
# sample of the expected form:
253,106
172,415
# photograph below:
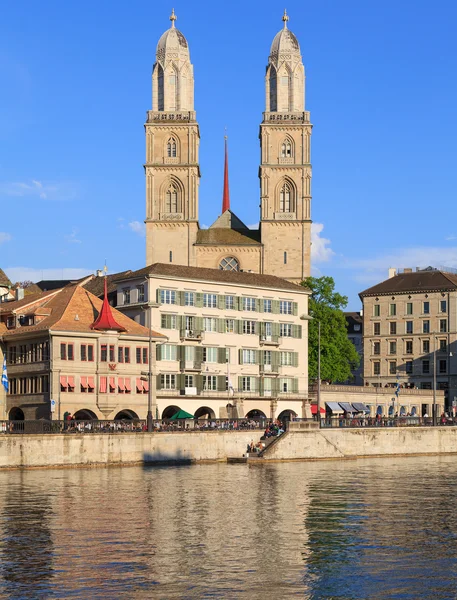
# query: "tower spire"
105,319
173,17
285,18
226,194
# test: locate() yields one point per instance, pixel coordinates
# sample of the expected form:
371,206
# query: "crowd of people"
272,430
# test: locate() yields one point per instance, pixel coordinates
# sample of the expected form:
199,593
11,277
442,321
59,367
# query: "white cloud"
31,274
71,238
320,246
35,188
137,227
5,237
254,226
450,238
421,256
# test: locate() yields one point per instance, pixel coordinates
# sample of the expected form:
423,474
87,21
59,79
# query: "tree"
338,355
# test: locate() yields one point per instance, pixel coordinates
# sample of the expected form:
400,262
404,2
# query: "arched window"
286,149
285,198
171,148
171,199
229,264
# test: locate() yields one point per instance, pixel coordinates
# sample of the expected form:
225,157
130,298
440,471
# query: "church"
282,243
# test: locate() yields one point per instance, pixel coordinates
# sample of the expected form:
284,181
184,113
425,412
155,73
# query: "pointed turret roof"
226,193
105,319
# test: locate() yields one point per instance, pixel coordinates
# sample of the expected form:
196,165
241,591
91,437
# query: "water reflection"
359,529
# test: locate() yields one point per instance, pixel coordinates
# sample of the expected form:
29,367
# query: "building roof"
53,284
418,281
228,237
284,41
217,276
4,280
96,284
25,303
74,309
354,322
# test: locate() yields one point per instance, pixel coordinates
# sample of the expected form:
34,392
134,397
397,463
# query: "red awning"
63,381
127,384
120,383
139,385
314,410
146,386
91,382
71,381
112,384
103,382
84,382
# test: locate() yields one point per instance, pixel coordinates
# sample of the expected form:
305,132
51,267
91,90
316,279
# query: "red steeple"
105,319
226,195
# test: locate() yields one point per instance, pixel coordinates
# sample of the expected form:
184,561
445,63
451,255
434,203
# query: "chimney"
408,270
392,272
19,293
99,272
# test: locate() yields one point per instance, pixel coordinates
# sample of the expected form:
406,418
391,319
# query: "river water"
381,528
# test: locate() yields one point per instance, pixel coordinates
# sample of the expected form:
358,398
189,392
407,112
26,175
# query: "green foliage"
338,355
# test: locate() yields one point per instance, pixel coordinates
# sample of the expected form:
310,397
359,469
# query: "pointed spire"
173,17
285,18
226,194
105,319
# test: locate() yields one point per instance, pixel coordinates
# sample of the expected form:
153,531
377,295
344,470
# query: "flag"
397,390
5,375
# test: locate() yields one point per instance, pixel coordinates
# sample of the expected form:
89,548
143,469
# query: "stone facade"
283,241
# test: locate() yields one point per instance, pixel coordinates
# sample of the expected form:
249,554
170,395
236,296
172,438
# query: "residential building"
236,343
354,322
410,330
68,346
282,242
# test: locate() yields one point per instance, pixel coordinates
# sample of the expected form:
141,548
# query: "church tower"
285,168
172,141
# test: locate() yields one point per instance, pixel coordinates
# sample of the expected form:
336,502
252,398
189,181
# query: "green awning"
181,414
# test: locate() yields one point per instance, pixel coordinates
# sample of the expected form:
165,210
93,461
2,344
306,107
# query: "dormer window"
10,322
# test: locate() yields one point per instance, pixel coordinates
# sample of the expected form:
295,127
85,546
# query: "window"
409,347
426,308
87,352
168,381
442,366
170,256
267,306
248,357
376,347
285,330
443,306
171,199
210,355
376,368
285,198
285,258
392,367
443,346
230,263
141,356
168,352
409,367
425,367
443,325
209,300
189,354
392,347
104,353
210,382
168,321
140,293
285,307
249,327
376,310
189,299
393,328
425,326
210,324
409,308
286,149
126,295
392,310
63,352
188,381
426,346
229,326
229,302
112,356
248,384
376,328
167,297
285,385
120,354
171,148
249,304
409,327
285,359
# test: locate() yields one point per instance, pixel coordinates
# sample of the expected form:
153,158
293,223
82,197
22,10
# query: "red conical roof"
105,319
226,195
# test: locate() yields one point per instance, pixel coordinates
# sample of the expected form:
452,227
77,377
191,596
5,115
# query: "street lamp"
310,318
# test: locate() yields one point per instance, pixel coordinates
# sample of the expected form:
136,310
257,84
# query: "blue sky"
381,87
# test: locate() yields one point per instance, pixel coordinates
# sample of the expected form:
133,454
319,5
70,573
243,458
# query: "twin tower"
281,246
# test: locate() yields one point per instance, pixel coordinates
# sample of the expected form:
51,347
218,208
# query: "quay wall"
57,450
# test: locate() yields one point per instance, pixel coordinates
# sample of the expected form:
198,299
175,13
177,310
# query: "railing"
269,340
129,426
239,395
373,422
191,334
361,389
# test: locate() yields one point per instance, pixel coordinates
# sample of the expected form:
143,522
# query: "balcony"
269,340
193,335
265,369
190,365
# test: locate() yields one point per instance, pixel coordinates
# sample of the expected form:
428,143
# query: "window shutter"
220,325
261,386
199,355
257,327
180,382
295,359
181,298
275,387
158,296
262,328
221,355
158,352
221,383
221,301
240,356
198,323
240,383
180,352
298,331
158,382
260,357
199,299
275,306
275,329
294,309
238,303
295,386
198,383
275,358
260,305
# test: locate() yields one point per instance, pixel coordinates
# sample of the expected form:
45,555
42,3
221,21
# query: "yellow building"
281,245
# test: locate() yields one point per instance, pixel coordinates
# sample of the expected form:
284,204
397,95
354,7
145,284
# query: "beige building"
69,347
236,344
410,331
281,245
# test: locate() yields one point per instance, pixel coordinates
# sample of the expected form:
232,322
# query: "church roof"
228,229
171,39
284,41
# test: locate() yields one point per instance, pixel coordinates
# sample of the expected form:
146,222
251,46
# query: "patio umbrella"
181,414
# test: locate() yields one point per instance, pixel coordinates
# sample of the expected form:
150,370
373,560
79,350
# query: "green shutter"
221,301
158,352
198,321
198,382
261,386
181,352
275,329
158,382
275,387
260,305
221,355
240,356
181,299
238,303
275,306
240,383
220,325
180,381
199,299
295,359
198,355
296,331
295,385
275,359
221,383
294,309
257,327
260,357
